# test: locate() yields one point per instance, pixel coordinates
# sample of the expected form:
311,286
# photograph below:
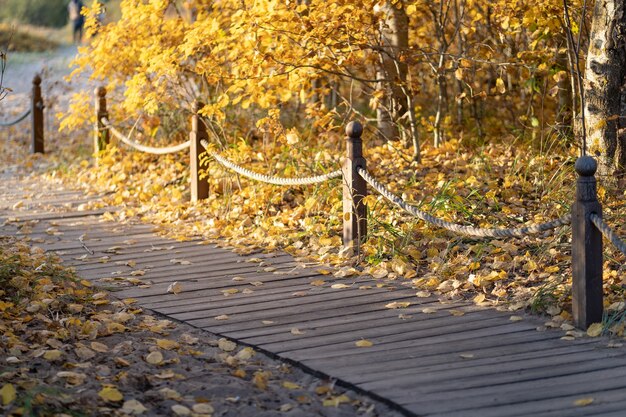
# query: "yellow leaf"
500,88
457,313
318,282
422,294
52,355
335,401
110,393
479,298
398,304
583,402
595,330
7,393
363,343
167,344
291,385
429,310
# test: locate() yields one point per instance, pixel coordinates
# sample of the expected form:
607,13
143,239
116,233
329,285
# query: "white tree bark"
605,87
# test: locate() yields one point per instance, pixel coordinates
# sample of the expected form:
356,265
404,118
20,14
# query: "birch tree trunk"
605,87
394,40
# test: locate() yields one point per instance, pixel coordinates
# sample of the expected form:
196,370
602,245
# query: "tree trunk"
605,87
394,41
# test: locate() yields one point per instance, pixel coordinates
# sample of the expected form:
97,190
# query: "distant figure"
77,19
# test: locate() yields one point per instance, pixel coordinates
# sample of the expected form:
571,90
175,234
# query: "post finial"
101,91
354,129
586,166
37,79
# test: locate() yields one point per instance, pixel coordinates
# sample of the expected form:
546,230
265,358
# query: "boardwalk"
437,363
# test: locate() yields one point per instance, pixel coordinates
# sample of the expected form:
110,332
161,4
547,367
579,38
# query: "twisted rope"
144,148
267,178
608,232
16,121
457,228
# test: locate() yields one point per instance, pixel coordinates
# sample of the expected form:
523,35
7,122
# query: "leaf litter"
115,359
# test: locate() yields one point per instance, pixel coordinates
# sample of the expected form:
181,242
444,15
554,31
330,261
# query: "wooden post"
586,247
354,189
199,187
101,134
37,106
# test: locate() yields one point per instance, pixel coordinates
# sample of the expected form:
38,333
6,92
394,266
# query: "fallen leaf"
222,317
339,286
167,344
291,385
72,378
595,330
174,288
256,283
422,294
467,355
429,310
516,318
133,407
230,291
181,410
398,304
296,331
318,282
457,313
52,355
203,408
110,393
335,401
8,394
226,345
180,261
154,358
363,343
583,401
84,353
267,322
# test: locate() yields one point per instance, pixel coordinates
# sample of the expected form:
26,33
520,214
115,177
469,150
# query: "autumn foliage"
487,82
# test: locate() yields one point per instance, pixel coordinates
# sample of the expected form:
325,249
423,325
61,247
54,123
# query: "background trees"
473,70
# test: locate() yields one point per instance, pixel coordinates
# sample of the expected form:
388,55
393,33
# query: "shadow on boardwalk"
431,358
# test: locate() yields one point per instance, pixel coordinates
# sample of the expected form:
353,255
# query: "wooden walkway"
437,364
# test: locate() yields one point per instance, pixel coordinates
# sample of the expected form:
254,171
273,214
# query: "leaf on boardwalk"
318,282
180,261
398,304
595,330
256,283
581,402
174,288
363,343
339,286
429,310
296,331
422,294
222,317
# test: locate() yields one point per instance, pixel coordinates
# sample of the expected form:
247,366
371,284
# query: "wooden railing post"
199,187
586,247
37,106
354,189
101,134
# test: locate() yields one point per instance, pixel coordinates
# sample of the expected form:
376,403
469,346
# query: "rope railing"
585,219
16,121
143,148
609,233
268,178
458,228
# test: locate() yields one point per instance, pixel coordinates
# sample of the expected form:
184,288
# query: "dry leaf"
429,310
595,330
8,394
203,408
181,410
52,355
291,385
583,402
167,344
154,358
226,345
363,343
295,330
174,288
318,282
180,261
398,304
339,286
110,393
335,401
133,407
467,355
457,313
422,294
222,317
